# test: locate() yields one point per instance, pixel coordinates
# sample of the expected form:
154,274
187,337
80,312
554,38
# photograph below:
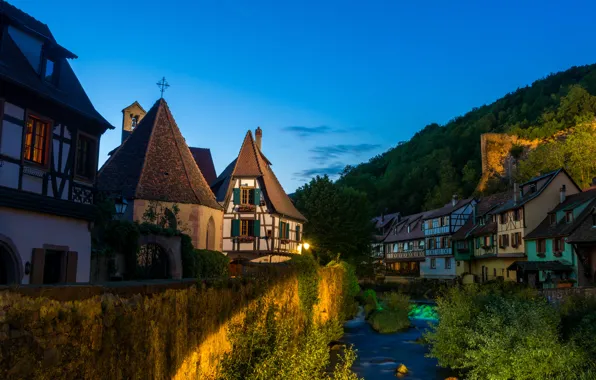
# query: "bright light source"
306,246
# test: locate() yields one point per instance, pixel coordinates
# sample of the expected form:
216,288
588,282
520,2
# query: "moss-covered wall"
177,334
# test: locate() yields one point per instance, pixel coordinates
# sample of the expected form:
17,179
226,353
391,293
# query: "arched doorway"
11,270
210,240
152,262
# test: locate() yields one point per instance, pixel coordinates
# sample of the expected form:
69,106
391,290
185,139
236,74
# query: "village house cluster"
542,232
49,152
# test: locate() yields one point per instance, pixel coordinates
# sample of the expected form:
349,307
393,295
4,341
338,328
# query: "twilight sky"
330,82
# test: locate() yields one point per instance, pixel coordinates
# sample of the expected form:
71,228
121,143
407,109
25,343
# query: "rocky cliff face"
496,155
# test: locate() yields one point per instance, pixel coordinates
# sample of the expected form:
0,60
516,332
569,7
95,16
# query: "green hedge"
203,263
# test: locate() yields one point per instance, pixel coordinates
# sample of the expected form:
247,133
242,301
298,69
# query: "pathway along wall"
175,334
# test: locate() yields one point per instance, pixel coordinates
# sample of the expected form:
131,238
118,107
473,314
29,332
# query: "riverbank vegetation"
503,331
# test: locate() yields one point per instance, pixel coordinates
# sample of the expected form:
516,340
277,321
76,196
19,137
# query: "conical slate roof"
154,163
252,163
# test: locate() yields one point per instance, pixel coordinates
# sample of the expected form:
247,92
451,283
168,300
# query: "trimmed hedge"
177,334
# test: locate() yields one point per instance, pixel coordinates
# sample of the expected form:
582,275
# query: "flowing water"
380,354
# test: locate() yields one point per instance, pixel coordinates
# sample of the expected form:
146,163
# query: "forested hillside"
439,161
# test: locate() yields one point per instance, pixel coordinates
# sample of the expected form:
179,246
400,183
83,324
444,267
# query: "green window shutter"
287,230
235,227
236,196
257,196
281,229
492,240
297,233
257,229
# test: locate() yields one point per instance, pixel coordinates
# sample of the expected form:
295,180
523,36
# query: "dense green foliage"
392,316
204,264
575,153
501,332
439,161
370,301
270,343
339,220
308,282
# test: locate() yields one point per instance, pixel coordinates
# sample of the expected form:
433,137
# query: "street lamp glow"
306,246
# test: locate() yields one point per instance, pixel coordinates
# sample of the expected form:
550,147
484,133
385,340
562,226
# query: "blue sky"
330,82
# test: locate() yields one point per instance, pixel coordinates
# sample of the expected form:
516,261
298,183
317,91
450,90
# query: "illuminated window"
36,141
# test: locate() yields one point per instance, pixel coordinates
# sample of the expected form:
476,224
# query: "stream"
380,354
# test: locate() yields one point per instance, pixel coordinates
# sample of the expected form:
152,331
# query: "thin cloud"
303,131
332,152
331,171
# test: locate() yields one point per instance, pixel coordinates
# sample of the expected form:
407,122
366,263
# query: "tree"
339,220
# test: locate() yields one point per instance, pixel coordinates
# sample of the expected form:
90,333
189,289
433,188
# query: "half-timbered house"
439,225
154,165
261,223
404,246
530,203
49,141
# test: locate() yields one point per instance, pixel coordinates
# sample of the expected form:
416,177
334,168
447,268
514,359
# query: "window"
553,218
447,262
494,272
406,247
49,71
431,243
433,263
298,234
133,121
445,220
477,243
541,246
37,141
445,242
247,196
421,244
394,247
569,216
517,214
532,188
284,230
487,242
559,244
247,227
516,239
408,228
400,247
85,159
503,218
504,241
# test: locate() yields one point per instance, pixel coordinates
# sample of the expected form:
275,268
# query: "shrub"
501,331
371,303
395,301
308,281
389,321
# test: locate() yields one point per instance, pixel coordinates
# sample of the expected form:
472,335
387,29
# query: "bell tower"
131,117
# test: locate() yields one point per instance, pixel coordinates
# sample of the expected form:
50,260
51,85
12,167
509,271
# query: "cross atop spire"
163,85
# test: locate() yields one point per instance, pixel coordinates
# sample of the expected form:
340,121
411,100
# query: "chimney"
454,200
563,190
515,193
259,137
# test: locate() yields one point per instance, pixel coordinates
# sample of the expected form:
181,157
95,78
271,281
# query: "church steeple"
131,117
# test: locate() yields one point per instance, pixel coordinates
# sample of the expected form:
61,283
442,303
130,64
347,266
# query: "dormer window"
532,188
133,122
408,228
49,71
569,216
553,218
